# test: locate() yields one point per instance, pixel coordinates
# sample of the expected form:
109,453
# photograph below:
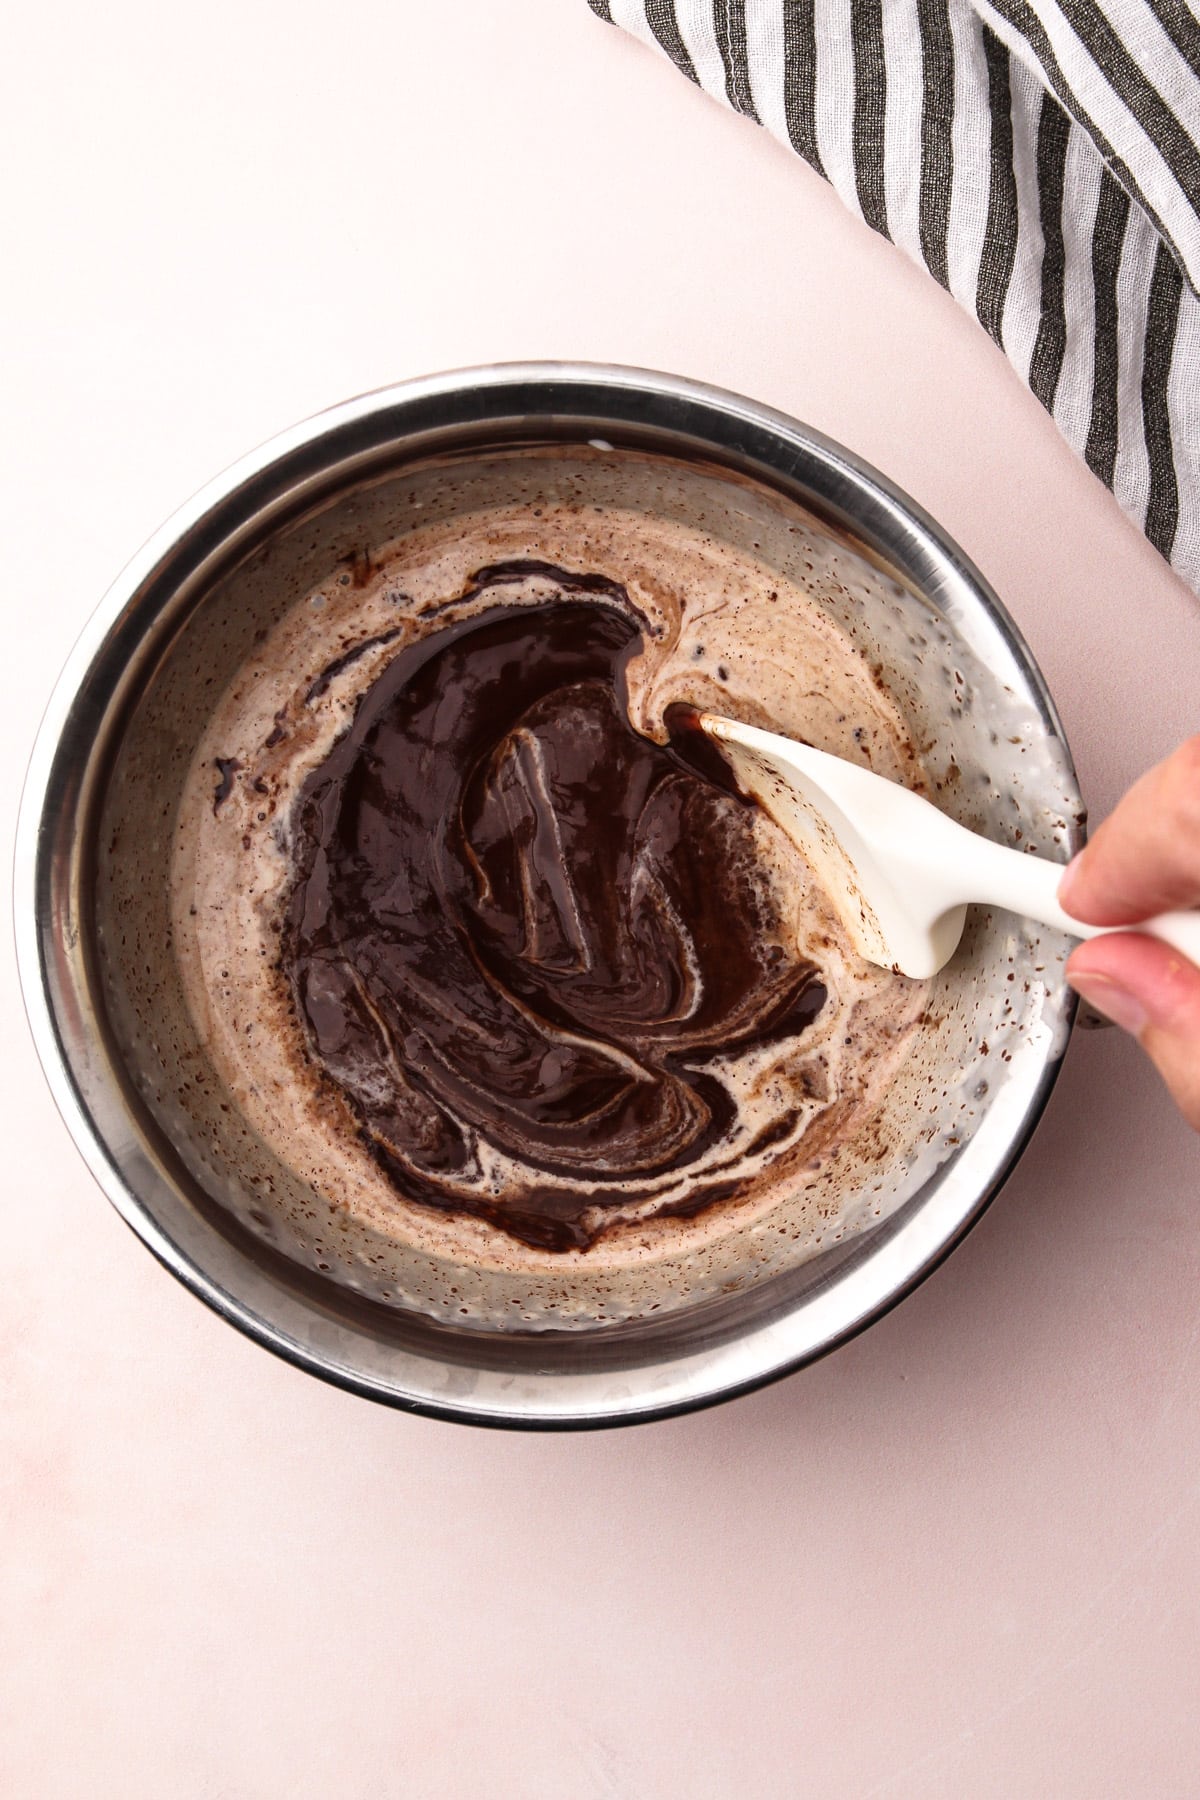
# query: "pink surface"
960,1557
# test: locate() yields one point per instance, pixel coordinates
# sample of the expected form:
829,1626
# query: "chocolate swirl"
516,923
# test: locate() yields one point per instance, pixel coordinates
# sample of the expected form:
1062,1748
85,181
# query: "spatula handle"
1029,885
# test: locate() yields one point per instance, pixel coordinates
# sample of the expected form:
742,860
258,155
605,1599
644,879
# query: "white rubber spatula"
900,872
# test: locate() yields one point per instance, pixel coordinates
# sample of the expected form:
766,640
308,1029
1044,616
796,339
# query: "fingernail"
1067,882
1114,1001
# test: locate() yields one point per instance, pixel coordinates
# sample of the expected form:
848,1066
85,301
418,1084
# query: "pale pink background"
959,1558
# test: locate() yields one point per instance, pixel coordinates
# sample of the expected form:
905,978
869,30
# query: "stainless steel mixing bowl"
114,1105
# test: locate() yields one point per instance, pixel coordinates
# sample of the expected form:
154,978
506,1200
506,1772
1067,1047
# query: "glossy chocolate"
515,921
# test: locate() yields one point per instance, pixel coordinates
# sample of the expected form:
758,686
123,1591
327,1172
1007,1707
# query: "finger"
1145,858
1153,992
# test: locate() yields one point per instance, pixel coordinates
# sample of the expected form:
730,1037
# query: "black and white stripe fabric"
1041,158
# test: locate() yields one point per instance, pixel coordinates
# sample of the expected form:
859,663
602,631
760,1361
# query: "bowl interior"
185,1167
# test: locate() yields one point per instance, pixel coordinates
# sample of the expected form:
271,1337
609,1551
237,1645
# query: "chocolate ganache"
514,1011
516,921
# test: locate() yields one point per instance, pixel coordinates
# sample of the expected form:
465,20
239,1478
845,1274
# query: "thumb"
1154,993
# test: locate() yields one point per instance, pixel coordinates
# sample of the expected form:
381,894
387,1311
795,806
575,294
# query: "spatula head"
879,851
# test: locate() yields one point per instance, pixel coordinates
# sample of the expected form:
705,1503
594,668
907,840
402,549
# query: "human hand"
1144,859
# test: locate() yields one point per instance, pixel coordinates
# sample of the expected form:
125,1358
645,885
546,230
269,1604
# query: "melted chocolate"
516,922
226,767
693,746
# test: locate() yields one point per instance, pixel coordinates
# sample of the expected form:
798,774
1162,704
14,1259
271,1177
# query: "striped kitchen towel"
1039,157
